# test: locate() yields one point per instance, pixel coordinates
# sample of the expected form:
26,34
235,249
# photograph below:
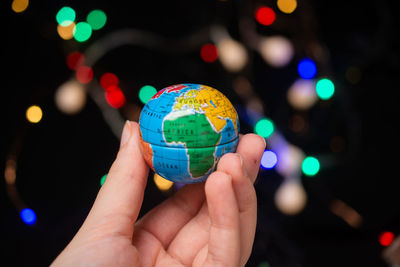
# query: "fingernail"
126,133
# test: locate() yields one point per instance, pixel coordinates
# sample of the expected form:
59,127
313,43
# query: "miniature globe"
185,129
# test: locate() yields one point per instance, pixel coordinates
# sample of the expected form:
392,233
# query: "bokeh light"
277,51
162,183
268,159
65,16
115,97
82,31
325,89
290,159
386,238
264,128
66,32
97,19
290,197
70,97
34,114
301,95
19,6
287,6
307,68
232,54
28,216
265,15
146,92
74,60
84,74
209,53
103,179
108,79
310,166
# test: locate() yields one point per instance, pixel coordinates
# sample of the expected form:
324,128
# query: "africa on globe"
185,129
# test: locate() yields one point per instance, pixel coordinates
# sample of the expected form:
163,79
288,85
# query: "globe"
185,129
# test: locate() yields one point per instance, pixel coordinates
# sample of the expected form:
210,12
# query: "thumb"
120,198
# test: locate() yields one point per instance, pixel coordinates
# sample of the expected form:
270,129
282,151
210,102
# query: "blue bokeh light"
28,216
307,68
269,159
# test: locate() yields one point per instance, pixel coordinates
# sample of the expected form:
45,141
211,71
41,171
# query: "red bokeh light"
386,238
115,97
108,80
74,60
209,53
84,74
265,15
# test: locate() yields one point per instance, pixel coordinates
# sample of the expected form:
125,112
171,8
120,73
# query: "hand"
205,224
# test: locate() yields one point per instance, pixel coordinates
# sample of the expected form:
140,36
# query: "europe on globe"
185,129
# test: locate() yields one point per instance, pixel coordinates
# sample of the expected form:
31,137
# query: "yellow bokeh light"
34,114
66,32
162,183
19,6
287,6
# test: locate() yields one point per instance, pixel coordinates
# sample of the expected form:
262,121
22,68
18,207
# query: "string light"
65,16
82,31
103,179
290,198
290,159
19,6
301,95
34,114
307,68
287,6
268,159
386,238
74,60
114,96
97,19
277,51
70,97
209,53
66,32
28,216
264,128
84,74
232,54
310,166
265,15
146,92
108,79
325,89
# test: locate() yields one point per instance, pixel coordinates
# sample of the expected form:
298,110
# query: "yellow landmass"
187,100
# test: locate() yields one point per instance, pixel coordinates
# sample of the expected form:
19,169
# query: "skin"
205,224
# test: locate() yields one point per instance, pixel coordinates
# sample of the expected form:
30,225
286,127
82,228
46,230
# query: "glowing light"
290,159
301,95
287,6
209,53
268,159
108,79
114,96
28,216
232,54
34,114
325,89
307,68
347,213
386,238
97,19
277,51
290,198
146,92
82,31
19,6
66,32
103,179
265,15
264,128
65,16
310,166
162,183
84,74
70,97
74,60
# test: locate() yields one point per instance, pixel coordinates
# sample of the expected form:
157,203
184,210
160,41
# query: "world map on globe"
185,129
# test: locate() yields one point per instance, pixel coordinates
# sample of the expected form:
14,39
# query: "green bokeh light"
325,89
146,92
264,128
103,179
65,16
97,19
310,166
82,31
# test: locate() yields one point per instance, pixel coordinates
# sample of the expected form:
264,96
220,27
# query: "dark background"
62,158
